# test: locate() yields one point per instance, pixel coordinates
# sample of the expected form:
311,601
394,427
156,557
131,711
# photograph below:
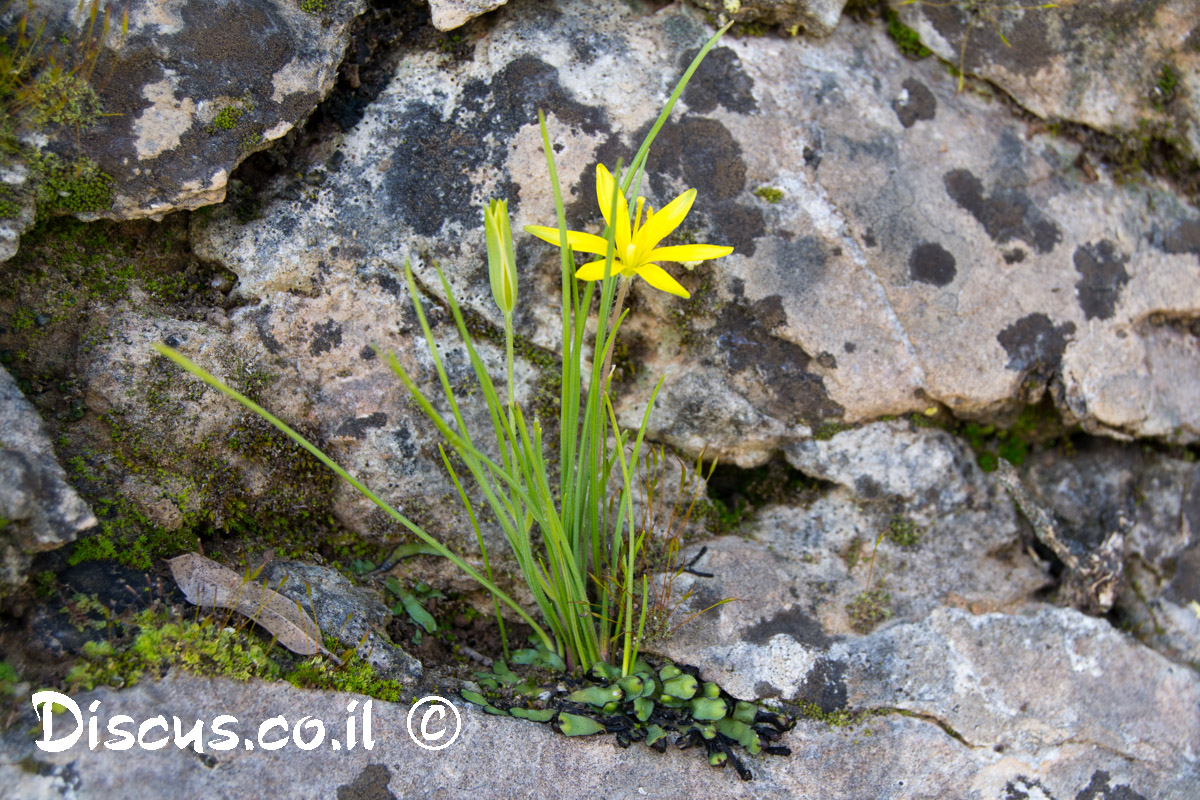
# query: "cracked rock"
39,510
193,88
352,614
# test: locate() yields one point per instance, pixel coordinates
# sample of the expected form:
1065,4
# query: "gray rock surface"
352,614
1125,68
926,249
952,541
39,510
18,211
816,17
194,87
450,14
1157,501
1048,701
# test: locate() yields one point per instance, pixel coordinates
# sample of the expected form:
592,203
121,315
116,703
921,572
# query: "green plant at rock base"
904,532
660,706
582,569
228,118
1164,88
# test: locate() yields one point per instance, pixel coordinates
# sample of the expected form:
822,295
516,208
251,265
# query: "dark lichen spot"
429,182
929,262
1006,215
849,347
262,324
795,623
812,158
799,265
1102,276
1184,587
869,239
326,336
357,428
1025,788
718,80
867,487
1183,238
1035,343
1014,256
918,104
404,442
824,686
694,152
779,367
389,284
1099,788
371,784
827,360
367,353
588,45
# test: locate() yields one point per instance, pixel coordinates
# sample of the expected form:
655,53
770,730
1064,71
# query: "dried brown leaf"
207,584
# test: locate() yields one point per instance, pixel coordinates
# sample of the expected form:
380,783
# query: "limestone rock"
1048,702
1124,68
817,17
450,14
1076,684
899,246
17,211
1157,500
195,87
39,510
891,460
925,538
352,614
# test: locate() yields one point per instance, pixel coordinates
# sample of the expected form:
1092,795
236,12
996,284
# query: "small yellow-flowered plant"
575,539
637,245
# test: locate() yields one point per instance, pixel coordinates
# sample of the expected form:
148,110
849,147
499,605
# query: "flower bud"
502,260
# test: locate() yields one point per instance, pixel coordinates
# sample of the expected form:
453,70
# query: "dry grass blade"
207,584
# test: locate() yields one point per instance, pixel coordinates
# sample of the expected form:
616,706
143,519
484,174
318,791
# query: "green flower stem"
217,384
622,292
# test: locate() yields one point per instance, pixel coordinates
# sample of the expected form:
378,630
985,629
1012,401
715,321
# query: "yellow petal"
665,220
657,277
689,252
605,186
579,241
594,271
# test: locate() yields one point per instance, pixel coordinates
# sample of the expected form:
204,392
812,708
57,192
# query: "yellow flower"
502,262
637,246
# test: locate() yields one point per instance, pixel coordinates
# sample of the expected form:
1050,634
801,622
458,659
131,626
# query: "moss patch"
355,676
1036,426
769,193
205,646
69,186
904,532
869,609
907,40
145,645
